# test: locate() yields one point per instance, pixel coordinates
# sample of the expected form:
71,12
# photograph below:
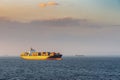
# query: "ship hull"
41,58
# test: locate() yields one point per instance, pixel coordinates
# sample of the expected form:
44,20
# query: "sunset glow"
90,27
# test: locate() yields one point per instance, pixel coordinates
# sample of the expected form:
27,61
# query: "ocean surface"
70,68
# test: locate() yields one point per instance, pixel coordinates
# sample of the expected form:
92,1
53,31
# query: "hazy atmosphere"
82,27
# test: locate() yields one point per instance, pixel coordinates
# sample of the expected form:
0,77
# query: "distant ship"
80,55
33,55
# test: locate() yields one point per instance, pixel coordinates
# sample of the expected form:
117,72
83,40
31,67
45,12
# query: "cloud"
48,4
42,4
59,22
52,3
65,21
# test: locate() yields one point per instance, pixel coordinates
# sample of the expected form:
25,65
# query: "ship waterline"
39,58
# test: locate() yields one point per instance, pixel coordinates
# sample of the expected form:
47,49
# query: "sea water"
70,68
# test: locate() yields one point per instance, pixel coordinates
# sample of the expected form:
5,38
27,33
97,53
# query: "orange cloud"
52,3
42,4
48,4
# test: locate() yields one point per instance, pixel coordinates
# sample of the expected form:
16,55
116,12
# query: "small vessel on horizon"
80,55
33,55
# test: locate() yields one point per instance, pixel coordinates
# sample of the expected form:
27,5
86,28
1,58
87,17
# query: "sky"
71,27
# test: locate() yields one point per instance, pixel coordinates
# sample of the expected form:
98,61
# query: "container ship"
33,55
